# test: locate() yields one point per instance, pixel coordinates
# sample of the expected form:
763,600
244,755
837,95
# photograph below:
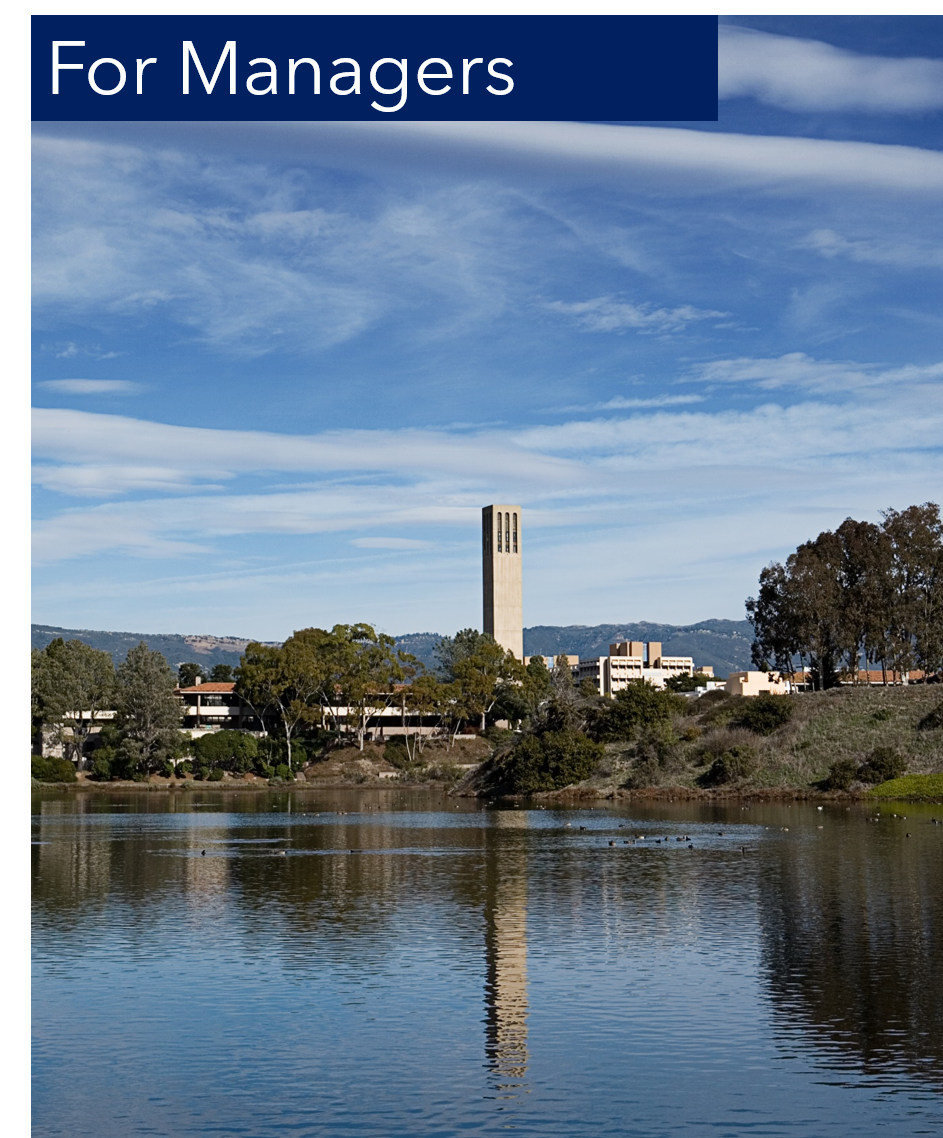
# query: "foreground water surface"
396,963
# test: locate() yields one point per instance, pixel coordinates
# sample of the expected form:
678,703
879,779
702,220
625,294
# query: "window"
507,533
515,533
499,534
486,532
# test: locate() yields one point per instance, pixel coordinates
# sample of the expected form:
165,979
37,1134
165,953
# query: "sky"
279,368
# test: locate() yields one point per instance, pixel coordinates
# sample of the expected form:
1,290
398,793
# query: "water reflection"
286,934
505,909
853,942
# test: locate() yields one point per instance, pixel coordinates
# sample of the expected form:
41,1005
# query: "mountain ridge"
721,644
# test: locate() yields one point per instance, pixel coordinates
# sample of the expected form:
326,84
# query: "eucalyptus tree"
73,689
482,672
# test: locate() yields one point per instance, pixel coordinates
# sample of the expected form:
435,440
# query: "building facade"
501,545
630,660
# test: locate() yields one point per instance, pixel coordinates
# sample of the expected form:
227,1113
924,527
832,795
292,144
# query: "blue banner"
178,68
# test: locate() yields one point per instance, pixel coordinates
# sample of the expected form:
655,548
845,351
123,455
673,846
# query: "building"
630,660
501,544
213,707
756,683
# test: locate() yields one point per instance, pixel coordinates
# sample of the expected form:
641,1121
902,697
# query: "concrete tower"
501,576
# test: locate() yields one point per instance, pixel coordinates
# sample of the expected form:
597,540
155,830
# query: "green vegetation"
52,770
915,787
550,761
863,592
764,714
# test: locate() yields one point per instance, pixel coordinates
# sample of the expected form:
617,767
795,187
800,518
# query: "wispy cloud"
92,386
623,403
389,543
876,252
808,75
607,314
798,370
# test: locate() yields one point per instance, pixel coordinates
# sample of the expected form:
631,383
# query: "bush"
738,763
551,761
103,764
51,770
932,720
883,714
227,750
765,714
884,764
637,705
841,774
282,771
215,775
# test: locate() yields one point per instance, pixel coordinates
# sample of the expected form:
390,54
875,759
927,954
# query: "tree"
188,674
427,697
367,669
222,674
149,712
76,683
481,670
286,680
916,544
639,704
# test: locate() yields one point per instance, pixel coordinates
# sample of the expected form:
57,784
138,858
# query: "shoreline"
574,795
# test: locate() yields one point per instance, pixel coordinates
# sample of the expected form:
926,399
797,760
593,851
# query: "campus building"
501,544
630,660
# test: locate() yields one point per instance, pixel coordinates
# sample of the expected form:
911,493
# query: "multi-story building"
213,706
630,660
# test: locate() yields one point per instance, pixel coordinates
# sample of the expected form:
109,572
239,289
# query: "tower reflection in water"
506,951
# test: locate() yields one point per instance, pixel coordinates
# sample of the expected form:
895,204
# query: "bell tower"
501,535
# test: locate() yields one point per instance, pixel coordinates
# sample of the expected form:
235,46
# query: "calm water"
392,963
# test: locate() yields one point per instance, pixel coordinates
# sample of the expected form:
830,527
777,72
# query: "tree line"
866,592
318,688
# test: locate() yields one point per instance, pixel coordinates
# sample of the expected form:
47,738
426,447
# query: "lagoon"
397,963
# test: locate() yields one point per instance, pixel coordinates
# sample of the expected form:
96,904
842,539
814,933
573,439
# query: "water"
395,963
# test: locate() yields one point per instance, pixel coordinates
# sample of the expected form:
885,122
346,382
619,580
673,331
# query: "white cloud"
606,314
798,370
688,162
831,244
389,543
579,473
92,386
808,75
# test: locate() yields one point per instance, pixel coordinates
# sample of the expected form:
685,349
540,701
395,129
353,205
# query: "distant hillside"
177,650
724,644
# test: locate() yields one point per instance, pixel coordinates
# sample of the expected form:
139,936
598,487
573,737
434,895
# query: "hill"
723,644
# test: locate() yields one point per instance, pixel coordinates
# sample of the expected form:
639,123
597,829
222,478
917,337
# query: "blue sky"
278,368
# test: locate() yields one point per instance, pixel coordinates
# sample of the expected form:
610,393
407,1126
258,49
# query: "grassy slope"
842,724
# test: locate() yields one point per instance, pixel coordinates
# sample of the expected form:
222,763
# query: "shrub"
551,761
884,764
637,705
282,771
883,714
228,750
765,713
841,774
738,763
932,720
52,770
103,764
713,743
185,768
215,775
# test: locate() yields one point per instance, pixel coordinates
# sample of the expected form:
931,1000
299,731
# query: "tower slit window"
500,549
507,533
515,533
